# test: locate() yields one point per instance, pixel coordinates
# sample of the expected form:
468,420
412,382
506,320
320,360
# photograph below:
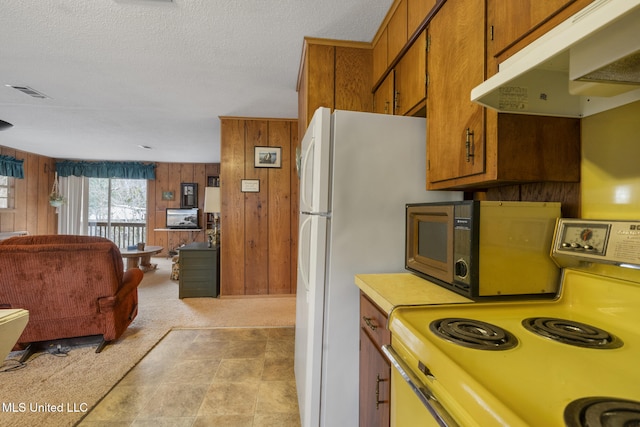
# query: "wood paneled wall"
32,212
567,193
169,176
258,240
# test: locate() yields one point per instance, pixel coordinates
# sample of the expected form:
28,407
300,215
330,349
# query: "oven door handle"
420,389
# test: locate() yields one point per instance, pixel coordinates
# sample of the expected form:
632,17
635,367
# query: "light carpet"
59,391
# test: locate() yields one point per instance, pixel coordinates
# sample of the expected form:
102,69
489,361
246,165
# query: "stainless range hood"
588,64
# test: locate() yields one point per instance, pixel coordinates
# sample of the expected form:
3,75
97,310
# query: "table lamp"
212,205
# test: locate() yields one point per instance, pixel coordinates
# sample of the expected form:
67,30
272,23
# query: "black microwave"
484,249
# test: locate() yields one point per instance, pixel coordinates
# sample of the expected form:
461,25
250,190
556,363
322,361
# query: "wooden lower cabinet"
375,370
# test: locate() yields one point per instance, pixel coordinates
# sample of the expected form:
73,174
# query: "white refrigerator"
357,172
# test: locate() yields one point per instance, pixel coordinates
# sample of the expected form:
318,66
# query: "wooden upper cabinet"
396,50
397,31
469,146
455,131
411,77
334,74
380,60
315,80
353,78
383,96
417,11
513,24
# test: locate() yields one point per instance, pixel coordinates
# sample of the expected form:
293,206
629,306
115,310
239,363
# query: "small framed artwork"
250,185
268,157
189,195
167,195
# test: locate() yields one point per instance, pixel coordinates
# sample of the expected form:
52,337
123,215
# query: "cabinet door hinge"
491,33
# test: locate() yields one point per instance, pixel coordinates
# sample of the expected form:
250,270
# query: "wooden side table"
193,232
199,271
141,259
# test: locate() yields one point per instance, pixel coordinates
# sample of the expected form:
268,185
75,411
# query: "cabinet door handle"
369,323
469,145
396,101
378,401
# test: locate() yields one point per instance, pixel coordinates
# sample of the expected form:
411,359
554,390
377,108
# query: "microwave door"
315,164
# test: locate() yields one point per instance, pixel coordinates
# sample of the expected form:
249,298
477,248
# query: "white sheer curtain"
73,215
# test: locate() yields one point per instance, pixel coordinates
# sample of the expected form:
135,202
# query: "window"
7,192
118,210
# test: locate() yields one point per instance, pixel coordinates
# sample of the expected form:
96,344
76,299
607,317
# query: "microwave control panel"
609,242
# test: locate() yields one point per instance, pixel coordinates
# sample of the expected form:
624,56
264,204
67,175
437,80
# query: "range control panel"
610,242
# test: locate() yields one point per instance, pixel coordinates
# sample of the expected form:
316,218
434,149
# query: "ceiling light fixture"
145,147
5,125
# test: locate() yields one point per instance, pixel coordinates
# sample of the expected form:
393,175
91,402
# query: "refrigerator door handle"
303,274
303,174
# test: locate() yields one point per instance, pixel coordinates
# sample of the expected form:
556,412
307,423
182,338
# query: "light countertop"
395,289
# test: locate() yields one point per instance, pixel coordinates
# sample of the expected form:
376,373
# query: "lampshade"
212,199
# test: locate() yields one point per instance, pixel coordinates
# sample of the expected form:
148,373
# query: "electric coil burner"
602,412
473,333
571,332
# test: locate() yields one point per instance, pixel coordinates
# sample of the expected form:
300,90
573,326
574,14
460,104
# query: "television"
183,218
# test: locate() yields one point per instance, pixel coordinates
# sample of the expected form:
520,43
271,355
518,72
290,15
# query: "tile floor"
233,377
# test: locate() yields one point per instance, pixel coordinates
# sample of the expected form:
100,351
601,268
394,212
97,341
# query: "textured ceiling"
157,73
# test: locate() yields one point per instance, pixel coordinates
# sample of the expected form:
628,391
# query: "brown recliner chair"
72,286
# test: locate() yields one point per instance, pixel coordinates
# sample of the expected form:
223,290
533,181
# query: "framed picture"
189,195
167,195
250,185
268,157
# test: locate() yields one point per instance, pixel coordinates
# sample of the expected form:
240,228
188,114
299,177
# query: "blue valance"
126,170
10,166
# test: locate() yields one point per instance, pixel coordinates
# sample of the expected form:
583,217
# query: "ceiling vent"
29,91
4,125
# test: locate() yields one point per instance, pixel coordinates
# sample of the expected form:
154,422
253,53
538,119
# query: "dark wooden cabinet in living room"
199,271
